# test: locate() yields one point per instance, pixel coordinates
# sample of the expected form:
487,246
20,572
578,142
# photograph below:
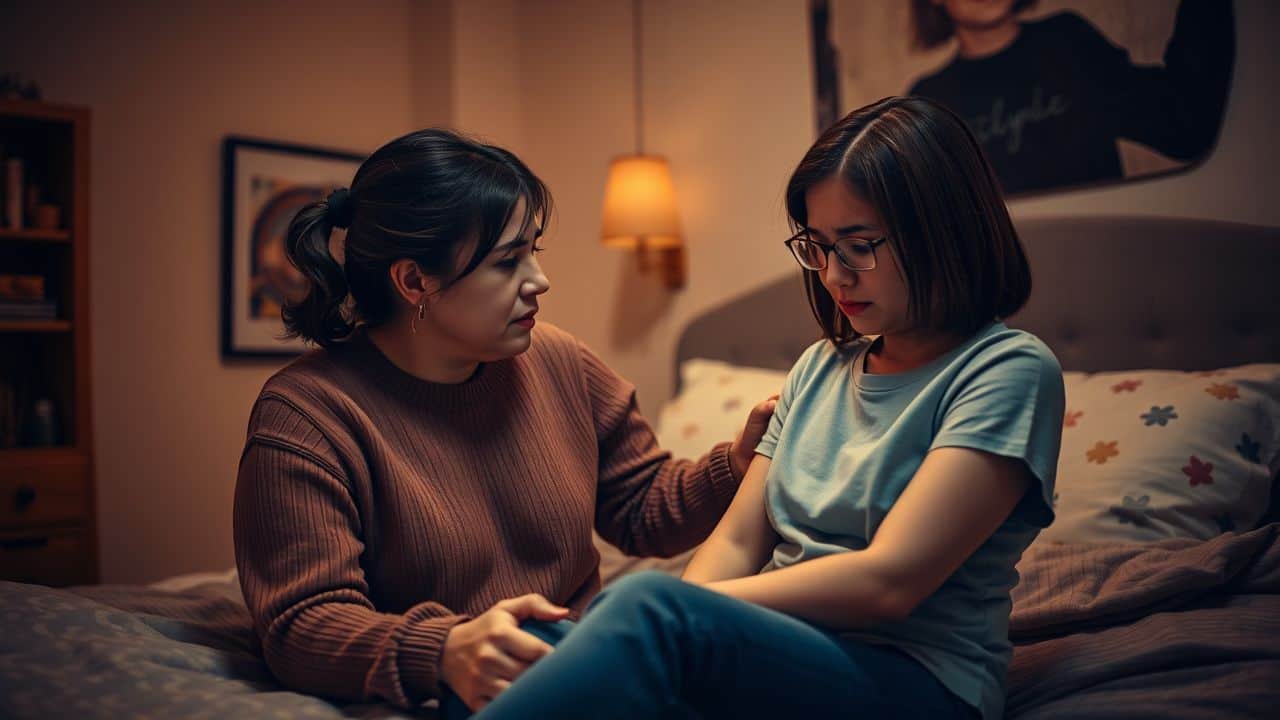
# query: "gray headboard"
1108,293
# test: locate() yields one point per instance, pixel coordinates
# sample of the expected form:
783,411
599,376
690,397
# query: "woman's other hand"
482,657
744,447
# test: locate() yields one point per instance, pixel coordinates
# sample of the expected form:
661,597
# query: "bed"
1146,599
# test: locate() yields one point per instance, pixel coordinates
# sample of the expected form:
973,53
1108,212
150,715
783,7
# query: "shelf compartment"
35,235
35,326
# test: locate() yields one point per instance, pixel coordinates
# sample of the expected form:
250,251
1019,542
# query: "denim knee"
642,611
646,586
643,584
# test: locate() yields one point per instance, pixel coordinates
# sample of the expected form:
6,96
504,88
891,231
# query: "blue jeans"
651,646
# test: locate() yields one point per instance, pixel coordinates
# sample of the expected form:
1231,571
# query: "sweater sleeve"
298,550
1177,107
649,503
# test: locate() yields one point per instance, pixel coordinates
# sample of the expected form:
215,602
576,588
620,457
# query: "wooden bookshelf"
34,326
34,235
48,530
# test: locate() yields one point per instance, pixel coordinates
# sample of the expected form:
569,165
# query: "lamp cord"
636,20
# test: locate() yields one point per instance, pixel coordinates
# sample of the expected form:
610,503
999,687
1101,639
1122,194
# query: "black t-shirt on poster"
1049,108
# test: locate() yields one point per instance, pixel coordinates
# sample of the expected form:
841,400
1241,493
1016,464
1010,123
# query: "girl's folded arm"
953,504
743,540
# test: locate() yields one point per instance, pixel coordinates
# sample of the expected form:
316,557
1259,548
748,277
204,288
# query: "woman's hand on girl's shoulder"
743,450
482,657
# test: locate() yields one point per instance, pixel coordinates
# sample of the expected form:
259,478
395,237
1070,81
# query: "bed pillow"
714,400
1153,454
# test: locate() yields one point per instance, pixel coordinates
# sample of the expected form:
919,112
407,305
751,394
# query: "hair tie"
339,208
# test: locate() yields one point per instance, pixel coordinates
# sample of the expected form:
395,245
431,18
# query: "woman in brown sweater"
429,479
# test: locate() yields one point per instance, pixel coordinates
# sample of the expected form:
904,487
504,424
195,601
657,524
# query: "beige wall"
727,99
165,82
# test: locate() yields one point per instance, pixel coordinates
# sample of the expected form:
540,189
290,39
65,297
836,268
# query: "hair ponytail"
318,317
433,196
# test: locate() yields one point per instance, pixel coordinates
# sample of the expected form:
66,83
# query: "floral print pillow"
1153,454
714,401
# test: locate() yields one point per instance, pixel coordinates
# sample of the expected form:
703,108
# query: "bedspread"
1175,629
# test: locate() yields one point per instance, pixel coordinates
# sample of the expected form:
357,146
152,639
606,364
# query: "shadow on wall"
639,305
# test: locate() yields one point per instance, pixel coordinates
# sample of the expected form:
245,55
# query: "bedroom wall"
727,99
165,82
707,66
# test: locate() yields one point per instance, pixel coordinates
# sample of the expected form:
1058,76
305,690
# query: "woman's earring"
421,315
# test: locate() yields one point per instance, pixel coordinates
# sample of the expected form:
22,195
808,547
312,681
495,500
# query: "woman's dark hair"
923,170
931,25
426,197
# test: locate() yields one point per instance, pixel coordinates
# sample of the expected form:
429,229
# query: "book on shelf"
13,172
28,310
21,287
9,416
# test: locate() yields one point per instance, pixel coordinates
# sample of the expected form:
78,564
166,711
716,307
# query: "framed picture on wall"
264,184
1060,93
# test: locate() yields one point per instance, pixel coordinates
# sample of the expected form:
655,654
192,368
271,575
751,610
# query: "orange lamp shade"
640,204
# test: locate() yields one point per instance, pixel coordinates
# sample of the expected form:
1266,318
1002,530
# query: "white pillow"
714,401
1152,454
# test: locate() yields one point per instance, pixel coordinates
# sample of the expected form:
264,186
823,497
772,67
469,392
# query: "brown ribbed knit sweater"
374,511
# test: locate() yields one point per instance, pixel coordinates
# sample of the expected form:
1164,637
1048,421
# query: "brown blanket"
1176,629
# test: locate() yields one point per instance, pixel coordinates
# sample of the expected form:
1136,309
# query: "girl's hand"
744,447
482,657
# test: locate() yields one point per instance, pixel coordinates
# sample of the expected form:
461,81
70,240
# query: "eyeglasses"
857,254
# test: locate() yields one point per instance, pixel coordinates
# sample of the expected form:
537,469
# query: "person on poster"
1048,99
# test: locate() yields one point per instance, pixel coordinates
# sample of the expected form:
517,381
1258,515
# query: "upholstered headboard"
1109,293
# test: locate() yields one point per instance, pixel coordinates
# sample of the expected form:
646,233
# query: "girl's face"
488,314
977,14
875,301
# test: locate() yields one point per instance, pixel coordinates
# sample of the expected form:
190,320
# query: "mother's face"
487,315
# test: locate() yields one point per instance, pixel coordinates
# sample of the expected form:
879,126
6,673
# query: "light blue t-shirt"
845,443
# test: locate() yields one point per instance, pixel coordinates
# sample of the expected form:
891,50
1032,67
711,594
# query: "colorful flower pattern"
1199,471
1137,510
1224,391
1102,451
1133,511
1159,416
1249,448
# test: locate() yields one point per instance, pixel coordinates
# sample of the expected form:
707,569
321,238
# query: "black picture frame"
264,183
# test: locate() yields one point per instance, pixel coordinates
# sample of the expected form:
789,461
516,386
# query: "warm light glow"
640,202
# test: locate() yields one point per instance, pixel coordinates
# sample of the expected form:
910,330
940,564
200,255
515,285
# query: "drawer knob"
23,497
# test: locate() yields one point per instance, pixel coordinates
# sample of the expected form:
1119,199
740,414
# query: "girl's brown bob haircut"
919,165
